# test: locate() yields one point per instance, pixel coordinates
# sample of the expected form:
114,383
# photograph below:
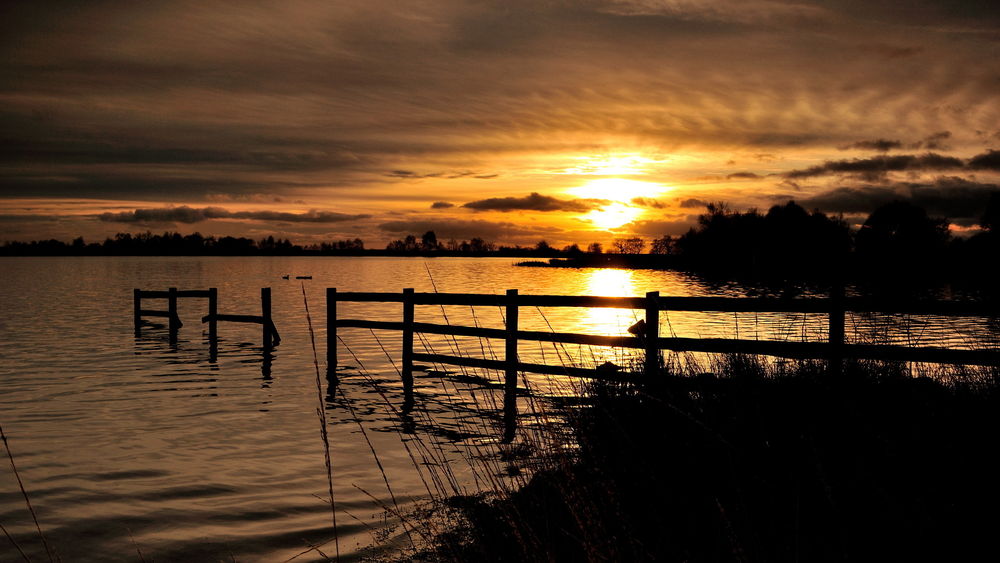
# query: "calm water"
127,443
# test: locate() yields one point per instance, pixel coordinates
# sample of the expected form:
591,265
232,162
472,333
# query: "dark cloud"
534,202
693,203
878,166
880,145
989,160
958,199
442,205
742,176
461,228
185,214
934,142
453,175
648,202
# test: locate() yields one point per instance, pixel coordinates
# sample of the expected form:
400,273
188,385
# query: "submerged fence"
269,332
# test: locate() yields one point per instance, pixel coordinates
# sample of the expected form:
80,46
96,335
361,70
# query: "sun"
612,216
619,192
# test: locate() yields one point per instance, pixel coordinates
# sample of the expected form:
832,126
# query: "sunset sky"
515,121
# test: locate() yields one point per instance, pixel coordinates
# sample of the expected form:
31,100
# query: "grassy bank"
758,462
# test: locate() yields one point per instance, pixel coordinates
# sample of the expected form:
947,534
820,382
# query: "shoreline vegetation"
897,240
755,461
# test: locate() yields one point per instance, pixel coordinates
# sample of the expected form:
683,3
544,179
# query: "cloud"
958,199
934,142
880,145
452,175
693,203
442,205
648,202
188,215
534,202
463,228
989,160
878,166
742,176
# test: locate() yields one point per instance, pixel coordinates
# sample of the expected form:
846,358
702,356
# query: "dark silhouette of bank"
898,243
759,464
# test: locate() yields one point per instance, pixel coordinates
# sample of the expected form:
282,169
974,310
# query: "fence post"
510,369
173,320
137,309
213,310
265,311
652,335
407,371
331,333
836,330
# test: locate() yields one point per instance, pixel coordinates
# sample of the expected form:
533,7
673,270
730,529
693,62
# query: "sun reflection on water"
612,283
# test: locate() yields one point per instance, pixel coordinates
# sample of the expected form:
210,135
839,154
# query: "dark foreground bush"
864,467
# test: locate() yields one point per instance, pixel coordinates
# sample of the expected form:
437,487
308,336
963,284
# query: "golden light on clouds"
613,165
621,192
617,189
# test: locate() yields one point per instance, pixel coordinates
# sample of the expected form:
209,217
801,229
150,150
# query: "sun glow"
612,216
617,165
617,189
619,192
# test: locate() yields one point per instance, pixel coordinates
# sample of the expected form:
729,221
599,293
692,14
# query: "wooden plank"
151,313
498,333
213,312
510,367
363,323
500,365
154,294
652,334
180,293
200,293
265,319
136,310
235,318
331,333
407,356
367,297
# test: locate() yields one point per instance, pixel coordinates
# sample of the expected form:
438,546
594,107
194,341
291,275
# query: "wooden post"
173,320
213,310
265,313
407,371
136,309
652,335
510,371
331,333
836,330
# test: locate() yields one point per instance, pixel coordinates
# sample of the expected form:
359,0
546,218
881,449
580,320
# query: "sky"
515,121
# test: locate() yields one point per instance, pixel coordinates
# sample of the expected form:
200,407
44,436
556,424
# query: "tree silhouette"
900,234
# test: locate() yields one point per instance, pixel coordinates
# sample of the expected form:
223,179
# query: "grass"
750,460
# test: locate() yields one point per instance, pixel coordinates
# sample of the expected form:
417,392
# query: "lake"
129,443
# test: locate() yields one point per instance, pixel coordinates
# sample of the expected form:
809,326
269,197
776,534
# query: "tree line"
786,240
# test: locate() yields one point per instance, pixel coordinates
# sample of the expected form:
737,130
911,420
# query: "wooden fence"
269,334
835,350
